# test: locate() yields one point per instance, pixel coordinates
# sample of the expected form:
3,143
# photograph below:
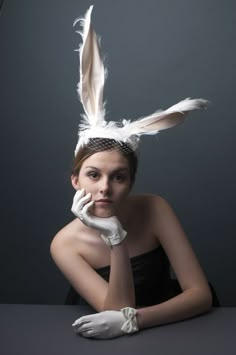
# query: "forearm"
120,291
188,304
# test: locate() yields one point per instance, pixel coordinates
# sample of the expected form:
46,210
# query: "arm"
120,292
100,294
196,296
120,289
188,304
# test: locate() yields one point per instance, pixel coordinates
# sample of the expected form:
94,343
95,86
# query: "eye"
120,177
93,175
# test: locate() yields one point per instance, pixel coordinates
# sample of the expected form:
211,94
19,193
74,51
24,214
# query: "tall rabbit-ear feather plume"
92,74
160,120
90,91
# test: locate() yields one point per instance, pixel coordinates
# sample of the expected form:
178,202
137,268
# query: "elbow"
205,301
208,298
208,302
199,300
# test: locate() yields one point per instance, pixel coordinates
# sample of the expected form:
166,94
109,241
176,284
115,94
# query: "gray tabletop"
46,329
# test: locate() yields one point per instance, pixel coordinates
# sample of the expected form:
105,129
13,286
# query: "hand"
107,324
110,228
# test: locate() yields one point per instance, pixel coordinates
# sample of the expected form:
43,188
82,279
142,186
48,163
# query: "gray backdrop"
157,53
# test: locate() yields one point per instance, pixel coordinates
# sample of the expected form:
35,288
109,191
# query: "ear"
75,182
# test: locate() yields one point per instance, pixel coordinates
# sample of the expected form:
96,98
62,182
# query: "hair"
96,145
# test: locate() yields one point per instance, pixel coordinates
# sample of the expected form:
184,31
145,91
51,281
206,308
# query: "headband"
90,91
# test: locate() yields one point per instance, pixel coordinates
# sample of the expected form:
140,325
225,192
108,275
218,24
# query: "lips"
103,200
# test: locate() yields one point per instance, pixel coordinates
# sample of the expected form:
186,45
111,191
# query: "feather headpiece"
90,91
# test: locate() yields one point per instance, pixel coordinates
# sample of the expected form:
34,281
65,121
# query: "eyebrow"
118,169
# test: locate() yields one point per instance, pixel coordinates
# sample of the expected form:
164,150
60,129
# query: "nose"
104,187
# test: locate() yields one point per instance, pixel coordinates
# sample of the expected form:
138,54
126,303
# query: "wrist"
130,325
120,248
139,318
115,238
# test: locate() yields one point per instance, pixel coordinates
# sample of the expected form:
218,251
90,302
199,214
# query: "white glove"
110,228
107,324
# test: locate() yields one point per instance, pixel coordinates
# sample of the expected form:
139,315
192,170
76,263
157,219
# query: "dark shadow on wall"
1,5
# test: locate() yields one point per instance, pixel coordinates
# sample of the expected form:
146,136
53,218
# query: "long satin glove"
110,228
107,324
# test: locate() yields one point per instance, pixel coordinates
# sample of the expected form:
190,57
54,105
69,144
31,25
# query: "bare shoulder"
67,237
148,202
66,253
145,211
162,215
148,198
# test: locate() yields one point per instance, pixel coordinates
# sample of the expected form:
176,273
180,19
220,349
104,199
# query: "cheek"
90,189
85,183
123,192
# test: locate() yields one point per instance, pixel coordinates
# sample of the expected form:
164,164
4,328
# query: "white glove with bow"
110,228
107,324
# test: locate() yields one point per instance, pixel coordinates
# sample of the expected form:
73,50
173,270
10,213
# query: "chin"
103,212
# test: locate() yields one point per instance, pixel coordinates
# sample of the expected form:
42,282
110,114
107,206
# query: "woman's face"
106,175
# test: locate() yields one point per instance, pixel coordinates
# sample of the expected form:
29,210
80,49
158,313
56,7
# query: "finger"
89,334
80,321
89,318
82,329
80,206
86,207
76,323
82,201
78,195
85,319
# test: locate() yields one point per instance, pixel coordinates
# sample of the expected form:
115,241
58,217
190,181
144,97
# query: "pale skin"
150,222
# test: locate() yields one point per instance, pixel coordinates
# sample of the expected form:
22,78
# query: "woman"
153,231
116,253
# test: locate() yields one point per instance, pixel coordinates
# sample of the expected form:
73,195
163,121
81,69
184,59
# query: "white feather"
160,120
90,90
92,73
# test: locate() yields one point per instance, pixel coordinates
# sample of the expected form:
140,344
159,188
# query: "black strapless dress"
153,284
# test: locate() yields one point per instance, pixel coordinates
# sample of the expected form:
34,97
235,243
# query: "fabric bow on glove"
110,228
107,324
